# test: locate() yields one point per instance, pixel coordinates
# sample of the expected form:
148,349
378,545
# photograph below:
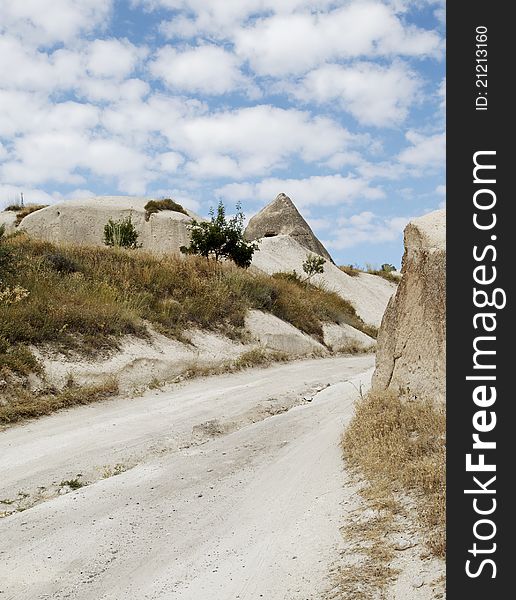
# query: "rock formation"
411,352
281,217
369,294
83,221
8,220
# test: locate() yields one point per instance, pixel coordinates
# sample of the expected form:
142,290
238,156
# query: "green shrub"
155,206
121,234
221,238
313,265
61,263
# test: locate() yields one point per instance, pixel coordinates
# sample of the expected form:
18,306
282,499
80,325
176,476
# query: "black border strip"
473,127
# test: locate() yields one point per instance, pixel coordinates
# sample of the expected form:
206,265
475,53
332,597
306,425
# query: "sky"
337,103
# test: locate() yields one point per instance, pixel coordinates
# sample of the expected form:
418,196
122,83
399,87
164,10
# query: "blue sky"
337,103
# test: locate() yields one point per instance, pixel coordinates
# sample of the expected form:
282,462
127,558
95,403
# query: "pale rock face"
367,293
82,222
411,354
281,217
8,220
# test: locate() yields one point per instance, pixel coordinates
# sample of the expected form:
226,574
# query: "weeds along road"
221,488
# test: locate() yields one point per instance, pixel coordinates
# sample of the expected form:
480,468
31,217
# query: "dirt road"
228,487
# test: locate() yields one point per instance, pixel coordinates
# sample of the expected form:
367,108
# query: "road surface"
221,488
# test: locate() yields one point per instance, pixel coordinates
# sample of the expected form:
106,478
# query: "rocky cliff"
281,217
411,352
83,221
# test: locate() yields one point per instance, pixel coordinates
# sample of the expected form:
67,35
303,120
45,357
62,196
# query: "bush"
121,234
155,206
61,263
220,238
313,265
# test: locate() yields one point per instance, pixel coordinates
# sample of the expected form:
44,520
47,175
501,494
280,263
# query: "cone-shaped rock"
281,217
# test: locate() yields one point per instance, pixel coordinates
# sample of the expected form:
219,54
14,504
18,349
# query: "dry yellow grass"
85,299
27,210
21,403
399,446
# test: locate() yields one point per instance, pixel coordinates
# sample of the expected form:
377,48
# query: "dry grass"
387,275
398,449
154,206
21,213
350,270
22,403
399,446
87,298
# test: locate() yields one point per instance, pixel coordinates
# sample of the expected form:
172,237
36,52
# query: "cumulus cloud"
366,227
374,94
46,23
293,44
252,141
208,69
318,190
425,150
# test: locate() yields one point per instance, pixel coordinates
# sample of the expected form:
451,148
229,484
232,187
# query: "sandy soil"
237,490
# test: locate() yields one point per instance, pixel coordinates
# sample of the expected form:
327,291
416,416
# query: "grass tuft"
21,213
399,446
155,206
22,403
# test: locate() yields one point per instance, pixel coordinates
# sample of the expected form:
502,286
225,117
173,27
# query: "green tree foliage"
388,267
121,234
313,265
221,238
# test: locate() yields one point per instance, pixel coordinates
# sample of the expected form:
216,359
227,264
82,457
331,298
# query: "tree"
221,238
388,268
121,234
313,265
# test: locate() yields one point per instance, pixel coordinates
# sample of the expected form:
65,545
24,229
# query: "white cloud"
255,140
60,156
114,58
425,151
330,190
366,227
373,94
45,23
292,44
207,68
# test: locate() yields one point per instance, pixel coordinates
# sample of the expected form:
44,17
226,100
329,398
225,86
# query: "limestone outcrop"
281,217
8,221
83,221
369,294
411,351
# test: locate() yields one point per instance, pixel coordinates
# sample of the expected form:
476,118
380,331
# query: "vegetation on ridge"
155,206
85,298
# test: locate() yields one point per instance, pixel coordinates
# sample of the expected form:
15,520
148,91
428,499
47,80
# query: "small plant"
121,234
61,263
13,207
155,206
313,265
73,484
221,238
388,267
